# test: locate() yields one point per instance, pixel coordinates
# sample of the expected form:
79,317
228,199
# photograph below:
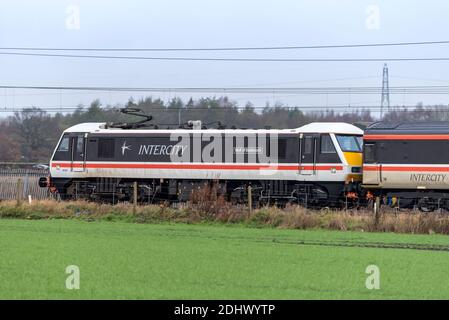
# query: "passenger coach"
317,164
407,164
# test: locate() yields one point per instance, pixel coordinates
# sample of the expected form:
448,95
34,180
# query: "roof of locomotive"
314,127
422,127
330,127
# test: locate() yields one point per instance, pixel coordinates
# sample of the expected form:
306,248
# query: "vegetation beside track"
290,217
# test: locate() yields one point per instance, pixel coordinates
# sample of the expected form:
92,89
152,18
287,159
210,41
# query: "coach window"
327,146
369,152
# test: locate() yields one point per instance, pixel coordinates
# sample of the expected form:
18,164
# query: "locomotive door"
307,154
78,155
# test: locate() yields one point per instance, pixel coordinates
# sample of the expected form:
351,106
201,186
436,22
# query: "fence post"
376,211
134,197
25,187
250,199
19,192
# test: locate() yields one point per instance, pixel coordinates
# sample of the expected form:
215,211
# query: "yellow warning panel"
353,158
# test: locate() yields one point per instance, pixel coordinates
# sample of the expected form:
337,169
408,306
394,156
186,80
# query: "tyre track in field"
281,240
375,245
325,243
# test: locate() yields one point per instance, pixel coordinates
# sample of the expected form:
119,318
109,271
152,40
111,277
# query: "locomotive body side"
281,164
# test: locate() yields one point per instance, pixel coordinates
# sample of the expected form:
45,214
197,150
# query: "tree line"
31,135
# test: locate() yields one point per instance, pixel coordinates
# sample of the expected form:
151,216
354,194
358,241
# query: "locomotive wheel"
426,205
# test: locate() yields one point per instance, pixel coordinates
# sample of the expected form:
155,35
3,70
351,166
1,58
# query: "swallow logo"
125,147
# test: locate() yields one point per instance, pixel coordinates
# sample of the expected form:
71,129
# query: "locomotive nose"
354,159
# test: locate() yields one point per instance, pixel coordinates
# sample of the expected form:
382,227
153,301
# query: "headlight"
356,169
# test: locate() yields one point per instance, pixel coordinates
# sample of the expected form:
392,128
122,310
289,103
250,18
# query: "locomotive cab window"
78,147
360,141
64,145
62,151
349,143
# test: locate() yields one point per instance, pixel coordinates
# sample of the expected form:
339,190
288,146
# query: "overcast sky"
226,23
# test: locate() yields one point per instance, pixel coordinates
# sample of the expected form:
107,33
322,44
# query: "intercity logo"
125,147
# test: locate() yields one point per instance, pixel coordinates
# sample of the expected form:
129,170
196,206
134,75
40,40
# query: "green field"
179,261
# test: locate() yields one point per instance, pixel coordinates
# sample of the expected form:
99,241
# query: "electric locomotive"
318,164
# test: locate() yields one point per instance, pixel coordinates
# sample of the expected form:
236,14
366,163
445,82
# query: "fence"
21,183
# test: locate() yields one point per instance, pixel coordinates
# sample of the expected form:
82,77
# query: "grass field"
180,261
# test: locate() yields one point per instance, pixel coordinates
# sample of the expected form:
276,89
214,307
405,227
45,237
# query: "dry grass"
202,209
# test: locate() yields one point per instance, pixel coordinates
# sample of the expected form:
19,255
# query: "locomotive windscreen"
349,143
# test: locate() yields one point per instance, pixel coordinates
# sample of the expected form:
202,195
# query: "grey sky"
230,23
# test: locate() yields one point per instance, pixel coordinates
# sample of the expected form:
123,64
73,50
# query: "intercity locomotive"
318,164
